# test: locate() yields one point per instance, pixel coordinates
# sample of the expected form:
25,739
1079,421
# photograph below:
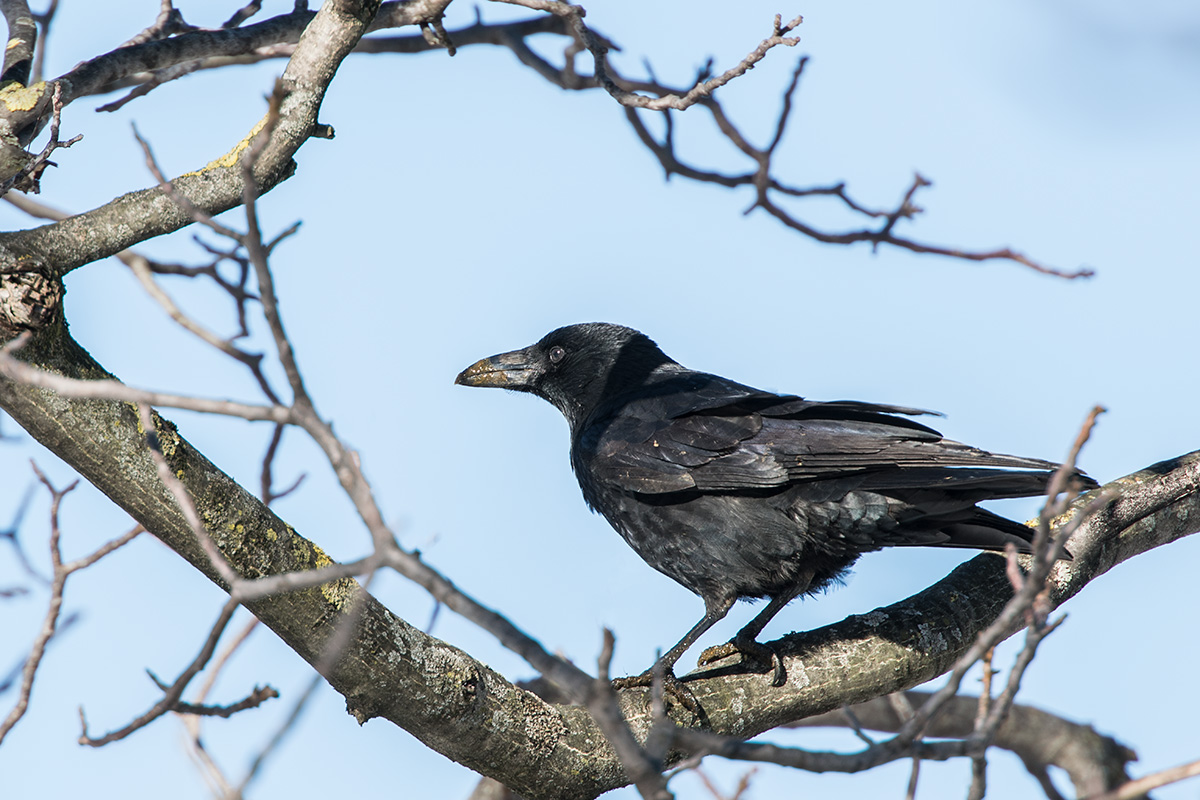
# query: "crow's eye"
556,354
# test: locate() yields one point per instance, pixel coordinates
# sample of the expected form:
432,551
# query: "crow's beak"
515,370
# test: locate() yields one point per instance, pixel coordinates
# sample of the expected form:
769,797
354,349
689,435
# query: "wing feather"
700,432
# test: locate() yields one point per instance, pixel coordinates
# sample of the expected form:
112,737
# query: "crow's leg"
715,610
746,640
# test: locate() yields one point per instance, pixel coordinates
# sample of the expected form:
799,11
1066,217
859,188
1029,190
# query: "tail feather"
965,483
988,531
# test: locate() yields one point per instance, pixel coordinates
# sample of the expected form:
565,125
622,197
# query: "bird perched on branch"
736,492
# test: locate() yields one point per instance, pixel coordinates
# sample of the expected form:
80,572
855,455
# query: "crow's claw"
671,686
750,650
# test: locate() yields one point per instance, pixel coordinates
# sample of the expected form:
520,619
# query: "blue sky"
467,207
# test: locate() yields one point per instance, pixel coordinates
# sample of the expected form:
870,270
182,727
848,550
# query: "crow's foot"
671,686
750,650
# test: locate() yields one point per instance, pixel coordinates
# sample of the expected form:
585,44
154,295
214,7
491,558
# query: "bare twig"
28,178
286,727
39,56
13,534
434,32
156,79
224,656
1136,789
978,787
267,491
210,770
180,493
15,369
643,773
143,270
573,16
345,462
50,624
633,95
169,22
168,188
173,693
349,472
855,725
742,785
257,252
260,695
242,14
904,710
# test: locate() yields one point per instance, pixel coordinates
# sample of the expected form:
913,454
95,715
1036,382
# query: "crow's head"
579,368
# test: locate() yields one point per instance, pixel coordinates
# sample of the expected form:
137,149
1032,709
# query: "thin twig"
904,711
39,57
29,177
1136,789
643,773
171,697
50,623
288,725
192,724
267,491
978,787
14,369
260,695
183,499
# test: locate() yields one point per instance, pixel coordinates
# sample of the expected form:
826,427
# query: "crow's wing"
730,437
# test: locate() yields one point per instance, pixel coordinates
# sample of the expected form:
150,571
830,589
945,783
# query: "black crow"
739,493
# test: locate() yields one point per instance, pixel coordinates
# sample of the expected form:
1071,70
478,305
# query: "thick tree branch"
63,246
462,708
22,39
143,83
1094,761
171,44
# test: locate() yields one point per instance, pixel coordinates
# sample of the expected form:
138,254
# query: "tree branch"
465,710
1136,789
22,39
148,64
1041,740
63,246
